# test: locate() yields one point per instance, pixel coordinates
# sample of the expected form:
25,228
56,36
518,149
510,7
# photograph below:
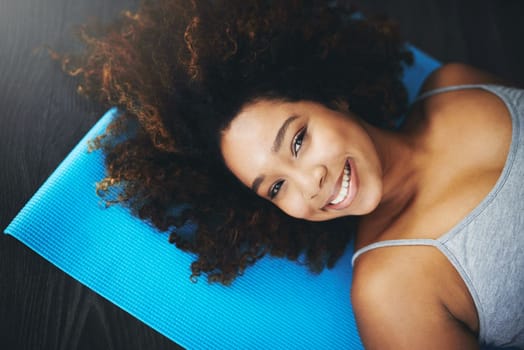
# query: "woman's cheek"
296,208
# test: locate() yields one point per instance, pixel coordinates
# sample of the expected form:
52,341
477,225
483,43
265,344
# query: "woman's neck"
401,158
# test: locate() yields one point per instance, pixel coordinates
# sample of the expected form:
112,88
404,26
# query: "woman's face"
313,162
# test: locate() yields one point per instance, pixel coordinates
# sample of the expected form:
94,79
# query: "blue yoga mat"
277,304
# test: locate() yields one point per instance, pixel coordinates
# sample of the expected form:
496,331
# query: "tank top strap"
449,88
394,243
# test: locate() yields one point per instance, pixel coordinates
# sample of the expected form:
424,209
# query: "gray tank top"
487,246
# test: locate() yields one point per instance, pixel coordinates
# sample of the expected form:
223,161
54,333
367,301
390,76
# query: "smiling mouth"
344,186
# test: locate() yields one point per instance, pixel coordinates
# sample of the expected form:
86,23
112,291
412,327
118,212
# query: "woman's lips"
347,195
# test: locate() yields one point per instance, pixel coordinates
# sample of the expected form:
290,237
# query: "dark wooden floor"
41,119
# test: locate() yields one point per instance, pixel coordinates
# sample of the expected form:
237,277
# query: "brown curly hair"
180,70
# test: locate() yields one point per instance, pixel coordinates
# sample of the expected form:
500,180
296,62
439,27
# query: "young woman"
277,124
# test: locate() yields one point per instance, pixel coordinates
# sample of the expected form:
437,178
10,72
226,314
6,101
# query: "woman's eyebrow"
281,133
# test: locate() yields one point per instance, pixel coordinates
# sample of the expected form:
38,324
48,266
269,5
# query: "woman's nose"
311,180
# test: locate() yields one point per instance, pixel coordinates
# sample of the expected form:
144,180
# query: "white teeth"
344,188
345,181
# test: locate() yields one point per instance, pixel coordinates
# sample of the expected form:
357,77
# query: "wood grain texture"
42,118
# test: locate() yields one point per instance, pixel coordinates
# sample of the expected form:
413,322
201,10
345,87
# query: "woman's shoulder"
411,292
448,91
473,114
455,74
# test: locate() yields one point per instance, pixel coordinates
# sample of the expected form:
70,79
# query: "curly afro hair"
180,70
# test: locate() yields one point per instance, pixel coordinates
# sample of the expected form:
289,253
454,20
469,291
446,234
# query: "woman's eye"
273,190
297,141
